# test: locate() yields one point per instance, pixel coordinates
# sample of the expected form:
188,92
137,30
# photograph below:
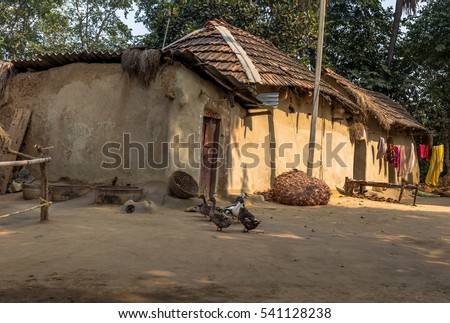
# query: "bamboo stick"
19,154
25,162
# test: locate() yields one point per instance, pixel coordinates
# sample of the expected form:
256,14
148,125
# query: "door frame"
208,172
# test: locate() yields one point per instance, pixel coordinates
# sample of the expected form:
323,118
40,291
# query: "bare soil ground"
351,250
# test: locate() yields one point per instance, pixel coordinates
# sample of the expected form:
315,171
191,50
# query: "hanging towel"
381,148
396,150
411,160
436,165
401,161
426,152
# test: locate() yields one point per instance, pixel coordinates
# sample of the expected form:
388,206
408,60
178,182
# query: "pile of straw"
5,141
6,71
142,64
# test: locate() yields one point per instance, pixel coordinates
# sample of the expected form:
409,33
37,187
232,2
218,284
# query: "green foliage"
290,25
422,68
357,35
95,24
28,26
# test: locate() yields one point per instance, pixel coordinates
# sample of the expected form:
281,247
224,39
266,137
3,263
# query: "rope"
42,204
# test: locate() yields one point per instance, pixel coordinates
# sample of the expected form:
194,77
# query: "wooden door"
360,160
210,145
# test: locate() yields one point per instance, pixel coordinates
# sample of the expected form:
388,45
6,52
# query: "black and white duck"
235,208
248,220
220,219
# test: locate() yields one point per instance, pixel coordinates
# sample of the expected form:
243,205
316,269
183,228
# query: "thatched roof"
251,60
389,114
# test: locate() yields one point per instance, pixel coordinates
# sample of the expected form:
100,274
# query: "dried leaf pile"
297,188
267,195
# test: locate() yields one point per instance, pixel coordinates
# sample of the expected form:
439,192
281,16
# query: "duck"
220,219
248,220
235,208
203,208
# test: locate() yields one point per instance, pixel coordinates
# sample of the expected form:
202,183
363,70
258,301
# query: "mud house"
384,118
225,106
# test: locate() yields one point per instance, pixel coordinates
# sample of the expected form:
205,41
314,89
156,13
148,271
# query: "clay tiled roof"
272,66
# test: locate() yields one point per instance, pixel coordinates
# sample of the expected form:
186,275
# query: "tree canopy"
30,27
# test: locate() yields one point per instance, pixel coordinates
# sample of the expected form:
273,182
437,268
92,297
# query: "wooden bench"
351,184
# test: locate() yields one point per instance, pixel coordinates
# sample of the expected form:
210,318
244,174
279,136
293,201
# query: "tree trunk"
447,151
395,30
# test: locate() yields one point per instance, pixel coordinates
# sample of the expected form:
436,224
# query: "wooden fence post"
44,192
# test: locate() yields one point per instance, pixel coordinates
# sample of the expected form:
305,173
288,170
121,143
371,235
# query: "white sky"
139,28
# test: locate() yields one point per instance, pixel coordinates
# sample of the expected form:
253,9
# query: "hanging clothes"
390,154
436,165
381,148
401,161
411,160
423,151
396,151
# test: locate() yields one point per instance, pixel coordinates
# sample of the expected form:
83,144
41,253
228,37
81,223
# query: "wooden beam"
262,113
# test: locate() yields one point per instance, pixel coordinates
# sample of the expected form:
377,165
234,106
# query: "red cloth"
396,156
423,151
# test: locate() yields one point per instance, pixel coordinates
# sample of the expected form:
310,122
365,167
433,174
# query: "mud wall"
268,145
80,108
379,169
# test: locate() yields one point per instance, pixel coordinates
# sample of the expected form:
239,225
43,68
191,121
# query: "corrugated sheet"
47,61
270,98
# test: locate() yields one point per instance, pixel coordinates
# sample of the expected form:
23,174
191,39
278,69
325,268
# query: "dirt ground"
351,250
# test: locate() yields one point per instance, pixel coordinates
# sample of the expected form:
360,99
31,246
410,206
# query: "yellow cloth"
436,165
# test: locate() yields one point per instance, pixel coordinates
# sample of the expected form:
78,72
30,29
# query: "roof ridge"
245,61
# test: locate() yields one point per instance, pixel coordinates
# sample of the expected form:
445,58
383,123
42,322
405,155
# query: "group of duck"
224,217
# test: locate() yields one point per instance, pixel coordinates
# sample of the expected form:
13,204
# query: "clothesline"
404,161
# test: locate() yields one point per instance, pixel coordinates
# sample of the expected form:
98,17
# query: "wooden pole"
44,192
312,134
402,189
